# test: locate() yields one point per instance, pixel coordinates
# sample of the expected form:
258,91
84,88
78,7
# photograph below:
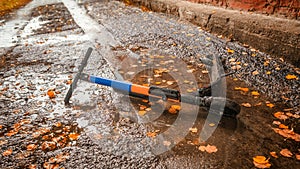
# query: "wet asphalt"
46,57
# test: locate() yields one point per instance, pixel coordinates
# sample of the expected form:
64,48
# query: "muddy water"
112,132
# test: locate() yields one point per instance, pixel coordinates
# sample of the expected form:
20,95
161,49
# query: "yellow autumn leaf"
255,93
290,77
270,105
142,112
261,162
230,51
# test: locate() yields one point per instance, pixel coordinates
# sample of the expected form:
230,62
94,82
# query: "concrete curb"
275,36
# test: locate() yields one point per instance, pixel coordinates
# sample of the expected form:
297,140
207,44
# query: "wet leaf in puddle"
7,152
274,154
286,153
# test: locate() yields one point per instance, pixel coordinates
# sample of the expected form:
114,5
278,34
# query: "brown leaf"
282,126
286,153
246,105
273,154
31,147
280,115
7,152
298,156
270,105
211,149
73,136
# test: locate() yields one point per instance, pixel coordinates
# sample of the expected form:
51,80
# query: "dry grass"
9,5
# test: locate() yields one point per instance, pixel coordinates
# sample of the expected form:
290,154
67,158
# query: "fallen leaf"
287,133
172,110
31,147
151,134
280,115
193,130
276,122
32,166
290,77
170,82
202,148
7,152
176,107
255,73
1,127
274,154
51,94
246,105
212,124
258,165
73,136
230,51
2,142
255,93
261,162
142,112
270,105
286,153
282,126
268,72
190,90
211,149
298,156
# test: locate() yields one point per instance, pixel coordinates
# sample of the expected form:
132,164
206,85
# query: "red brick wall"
287,8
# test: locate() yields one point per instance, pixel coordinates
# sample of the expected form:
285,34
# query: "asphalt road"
42,46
